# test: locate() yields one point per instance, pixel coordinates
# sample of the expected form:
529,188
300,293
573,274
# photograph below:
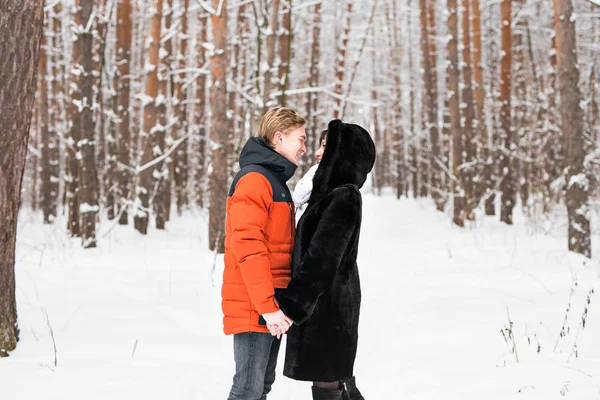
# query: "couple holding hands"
301,281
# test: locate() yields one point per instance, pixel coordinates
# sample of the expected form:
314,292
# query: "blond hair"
279,119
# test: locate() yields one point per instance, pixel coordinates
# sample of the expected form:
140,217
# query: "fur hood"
348,158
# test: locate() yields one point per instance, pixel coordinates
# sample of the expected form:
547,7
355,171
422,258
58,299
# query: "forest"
126,112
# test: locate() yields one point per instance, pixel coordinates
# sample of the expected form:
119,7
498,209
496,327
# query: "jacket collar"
257,152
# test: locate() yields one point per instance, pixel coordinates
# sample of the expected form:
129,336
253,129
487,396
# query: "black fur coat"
324,295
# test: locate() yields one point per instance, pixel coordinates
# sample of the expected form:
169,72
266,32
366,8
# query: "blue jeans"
255,356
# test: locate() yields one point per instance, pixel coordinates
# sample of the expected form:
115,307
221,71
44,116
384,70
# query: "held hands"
278,323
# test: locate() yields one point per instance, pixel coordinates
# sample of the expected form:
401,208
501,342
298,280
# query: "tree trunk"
73,175
21,24
236,129
57,108
594,115
271,68
427,114
573,133
218,131
489,146
340,63
377,133
200,116
522,124
434,129
34,132
285,50
508,182
149,126
479,128
554,162
414,142
398,136
124,37
161,178
88,202
101,116
453,105
313,131
468,114
180,162
48,206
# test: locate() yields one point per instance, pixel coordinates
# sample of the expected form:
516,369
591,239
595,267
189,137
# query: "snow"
139,316
580,180
85,207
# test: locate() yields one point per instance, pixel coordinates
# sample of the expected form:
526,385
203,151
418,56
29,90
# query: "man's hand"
277,322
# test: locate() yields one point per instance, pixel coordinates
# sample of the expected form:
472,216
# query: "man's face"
291,146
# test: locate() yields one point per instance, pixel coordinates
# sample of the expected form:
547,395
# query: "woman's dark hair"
323,136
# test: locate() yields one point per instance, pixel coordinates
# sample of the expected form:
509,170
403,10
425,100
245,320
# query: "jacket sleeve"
326,250
249,213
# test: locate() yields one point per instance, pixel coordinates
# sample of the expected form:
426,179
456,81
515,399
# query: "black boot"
326,394
350,391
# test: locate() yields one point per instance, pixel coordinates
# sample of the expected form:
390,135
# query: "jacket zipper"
292,222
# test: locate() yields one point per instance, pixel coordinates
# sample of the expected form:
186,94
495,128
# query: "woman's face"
319,153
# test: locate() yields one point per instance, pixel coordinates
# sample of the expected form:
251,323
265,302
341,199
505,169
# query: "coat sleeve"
304,187
249,213
320,263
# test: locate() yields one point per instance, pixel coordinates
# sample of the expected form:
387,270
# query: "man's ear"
277,138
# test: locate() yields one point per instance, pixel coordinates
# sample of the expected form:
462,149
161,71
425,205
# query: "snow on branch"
329,93
210,10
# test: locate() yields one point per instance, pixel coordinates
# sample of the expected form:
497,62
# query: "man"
260,230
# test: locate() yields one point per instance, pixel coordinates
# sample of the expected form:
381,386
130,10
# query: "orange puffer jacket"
260,230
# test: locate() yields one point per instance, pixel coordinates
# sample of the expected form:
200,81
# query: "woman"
323,298
303,188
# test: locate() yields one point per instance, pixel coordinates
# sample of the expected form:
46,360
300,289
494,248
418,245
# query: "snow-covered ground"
139,317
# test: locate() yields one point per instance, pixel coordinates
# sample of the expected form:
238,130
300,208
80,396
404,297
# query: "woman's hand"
277,323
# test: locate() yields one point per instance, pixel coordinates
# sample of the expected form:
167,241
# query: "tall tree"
489,143
427,113
467,168
479,125
200,114
271,70
161,177
48,184
340,62
180,162
219,125
145,185
453,105
313,82
285,51
508,181
88,202
56,106
378,169
124,38
414,140
572,126
21,24
522,108
434,128
73,176
237,62
398,137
